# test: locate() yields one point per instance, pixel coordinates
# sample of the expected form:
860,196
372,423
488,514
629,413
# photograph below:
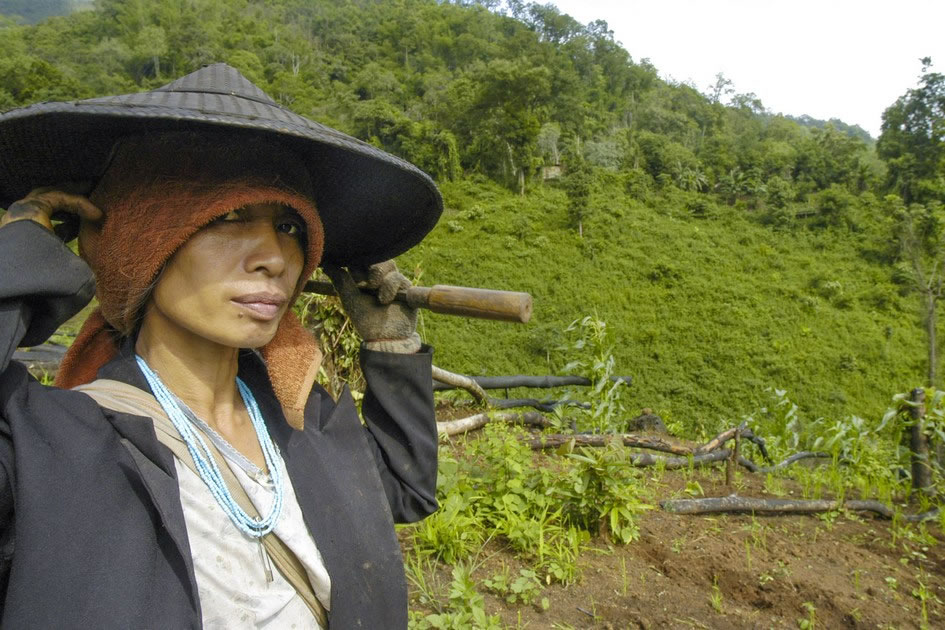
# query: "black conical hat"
373,205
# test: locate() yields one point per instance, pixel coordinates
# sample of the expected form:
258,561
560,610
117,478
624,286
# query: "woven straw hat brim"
373,205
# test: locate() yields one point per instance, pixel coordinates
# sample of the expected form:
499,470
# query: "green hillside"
706,313
729,250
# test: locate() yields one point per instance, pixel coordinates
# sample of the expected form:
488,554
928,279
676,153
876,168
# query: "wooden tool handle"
506,306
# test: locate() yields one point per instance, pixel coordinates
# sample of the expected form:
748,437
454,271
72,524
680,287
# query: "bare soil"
738,571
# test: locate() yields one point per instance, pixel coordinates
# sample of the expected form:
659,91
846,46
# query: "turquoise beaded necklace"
206,464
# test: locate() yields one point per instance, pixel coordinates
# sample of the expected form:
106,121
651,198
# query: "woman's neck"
200,372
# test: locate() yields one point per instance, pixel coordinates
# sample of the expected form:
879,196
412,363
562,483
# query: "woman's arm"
398,402
399,416
42,283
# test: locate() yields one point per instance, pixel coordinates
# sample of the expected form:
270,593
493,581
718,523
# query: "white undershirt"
230,566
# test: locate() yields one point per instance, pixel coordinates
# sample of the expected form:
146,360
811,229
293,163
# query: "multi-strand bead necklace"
206,464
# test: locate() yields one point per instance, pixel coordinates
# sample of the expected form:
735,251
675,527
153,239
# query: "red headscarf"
158,192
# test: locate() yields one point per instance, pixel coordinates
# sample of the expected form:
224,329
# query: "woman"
188,472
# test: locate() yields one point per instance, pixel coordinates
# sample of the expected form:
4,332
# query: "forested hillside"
729,250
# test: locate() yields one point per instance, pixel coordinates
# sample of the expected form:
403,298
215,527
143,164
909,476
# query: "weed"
624,582
596,360
450,534
925,595
810,621
856,578
774,485
465,607
525,588
602,489
715,598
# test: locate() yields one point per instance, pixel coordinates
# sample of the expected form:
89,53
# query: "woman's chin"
252,334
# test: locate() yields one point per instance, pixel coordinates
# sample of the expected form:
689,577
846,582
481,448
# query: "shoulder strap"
125,398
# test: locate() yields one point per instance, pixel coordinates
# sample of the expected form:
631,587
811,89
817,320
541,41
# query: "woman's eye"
289,227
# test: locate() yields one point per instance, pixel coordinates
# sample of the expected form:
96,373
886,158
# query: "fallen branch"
462,382
555,440
736,504
471,423
641,460
547,406
540,382
729,434
796,457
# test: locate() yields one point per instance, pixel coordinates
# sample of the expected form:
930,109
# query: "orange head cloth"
158,192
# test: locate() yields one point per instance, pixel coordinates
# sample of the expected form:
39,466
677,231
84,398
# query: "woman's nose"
266,251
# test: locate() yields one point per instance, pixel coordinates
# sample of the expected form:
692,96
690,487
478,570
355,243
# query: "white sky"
841,59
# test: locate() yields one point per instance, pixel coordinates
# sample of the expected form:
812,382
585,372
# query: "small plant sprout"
810,621
694,489
925,595
623,575
715,597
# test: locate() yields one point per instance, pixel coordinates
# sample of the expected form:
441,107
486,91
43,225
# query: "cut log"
556,440
471,423
736,504
538,382
547,406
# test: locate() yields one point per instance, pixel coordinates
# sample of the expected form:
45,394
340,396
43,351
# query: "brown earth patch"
736,571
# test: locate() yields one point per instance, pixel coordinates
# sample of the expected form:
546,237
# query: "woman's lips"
263,306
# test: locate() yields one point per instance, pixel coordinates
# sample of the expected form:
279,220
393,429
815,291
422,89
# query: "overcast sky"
829,58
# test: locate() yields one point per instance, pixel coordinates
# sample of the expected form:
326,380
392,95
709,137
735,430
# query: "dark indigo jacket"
92,532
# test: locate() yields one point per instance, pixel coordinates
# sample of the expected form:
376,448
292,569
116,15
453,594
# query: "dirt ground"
739,571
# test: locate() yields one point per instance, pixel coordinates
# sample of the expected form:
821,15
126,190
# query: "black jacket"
91,526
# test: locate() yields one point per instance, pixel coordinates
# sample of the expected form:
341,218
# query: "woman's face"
231,282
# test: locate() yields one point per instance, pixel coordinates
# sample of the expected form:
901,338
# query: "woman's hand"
384,325
42,204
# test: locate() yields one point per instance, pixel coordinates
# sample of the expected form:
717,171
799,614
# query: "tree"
722,87
920,230
577,186
912,142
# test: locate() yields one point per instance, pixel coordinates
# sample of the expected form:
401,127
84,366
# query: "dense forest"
731,250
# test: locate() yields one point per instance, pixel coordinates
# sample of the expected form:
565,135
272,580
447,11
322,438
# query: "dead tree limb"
642,460
729,434
547,406
538,382
796,457
736,504
555,440
464,425
462,382
731,461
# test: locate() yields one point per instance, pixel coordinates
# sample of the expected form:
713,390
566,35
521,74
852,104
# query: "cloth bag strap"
125,398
